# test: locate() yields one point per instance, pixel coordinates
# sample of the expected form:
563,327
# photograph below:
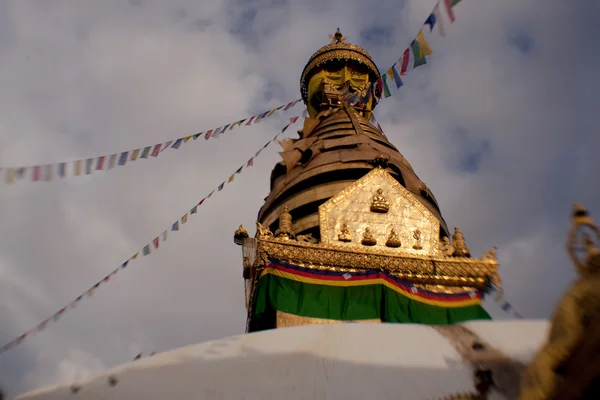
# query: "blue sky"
500,124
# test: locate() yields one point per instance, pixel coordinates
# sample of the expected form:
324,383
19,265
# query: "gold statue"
418,242
368,238
446,247
572,316
337,37
345,235
380,203
393,239
262,231
460,246
285,224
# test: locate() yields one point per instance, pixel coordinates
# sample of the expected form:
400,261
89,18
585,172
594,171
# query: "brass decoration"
490,255
393,239
460,246
285,225
417,236
286,320
308,238
368,238
445,247
380,203
352,206
457,272
261,231
239,235
345,235
573,313
337,37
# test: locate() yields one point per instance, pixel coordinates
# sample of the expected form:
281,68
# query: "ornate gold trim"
286,320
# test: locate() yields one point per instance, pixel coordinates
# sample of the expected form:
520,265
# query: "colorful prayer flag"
231,178
146,250
77,168
48,172
184,219
448,4
294,119
166,145
100,163
396,75
10,176
431,21
112,161
250,162
135,154
438,17
424,48
164,236
221,186
177,144
88,166
62,169
207,136
250,120
194,209
123,158
416,50
36,173
186,139
175,227
156,150
386,89
146,152
156,242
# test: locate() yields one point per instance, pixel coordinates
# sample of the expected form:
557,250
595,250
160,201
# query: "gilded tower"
348,231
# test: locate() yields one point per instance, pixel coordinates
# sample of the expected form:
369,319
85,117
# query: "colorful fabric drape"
345,296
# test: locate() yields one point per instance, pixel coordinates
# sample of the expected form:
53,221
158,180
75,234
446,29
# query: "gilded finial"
460,246
285,224
393,239
380,203
345,235
368,238
240,235
262,231
337,37
582,247
490,255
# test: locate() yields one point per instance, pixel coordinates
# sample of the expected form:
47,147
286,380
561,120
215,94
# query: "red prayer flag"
201,201
448,4
405,60
156,242
207,136
293,120
290,104
156,150
251,162
100,163
250,120
36,173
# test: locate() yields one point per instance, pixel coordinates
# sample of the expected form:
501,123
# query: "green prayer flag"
386,89
416,50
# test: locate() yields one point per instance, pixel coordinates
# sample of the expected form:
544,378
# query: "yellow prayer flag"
185,139
231,178
423,45
10,176
135,255
272,112
77,167
184,219
390,73
90,292
135,154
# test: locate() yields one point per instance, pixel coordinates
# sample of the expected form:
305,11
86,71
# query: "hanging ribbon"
100,163
145,251
505,305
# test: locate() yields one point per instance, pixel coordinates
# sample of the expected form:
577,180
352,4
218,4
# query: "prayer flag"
194,209
196,136
423,45
48,172
36,173
239,170
184,219
455,2
416,50
100,163
156,242
125,264
88,165
156,150
250,120
135,255
221,186
250,162
186,139
146,250
397,78
224,128
177,143
289,105
166,146
77,168
123,158
438,18
62,169
146,152
201,201
231,178
134,154
272,112
210,194
112,161
386,89
405,60
164,236
207,136
431,21
175,226
10,176
293,120
448,4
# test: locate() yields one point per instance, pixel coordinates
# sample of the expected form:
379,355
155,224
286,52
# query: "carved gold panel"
406,215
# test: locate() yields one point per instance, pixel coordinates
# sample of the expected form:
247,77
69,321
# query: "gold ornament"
418,242
285,224
393,239
345,235
368,238
262,231
380,203
460,246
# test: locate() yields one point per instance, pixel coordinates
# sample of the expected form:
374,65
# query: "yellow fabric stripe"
376,281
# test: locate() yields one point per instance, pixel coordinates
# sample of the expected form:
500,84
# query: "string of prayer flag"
105,162
145,251
504,304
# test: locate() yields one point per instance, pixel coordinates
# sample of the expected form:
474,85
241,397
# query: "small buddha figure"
285,225
345,235
418,242
380,203
393,239
460,246
368,238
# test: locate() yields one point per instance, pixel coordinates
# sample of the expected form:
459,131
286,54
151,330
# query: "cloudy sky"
499,124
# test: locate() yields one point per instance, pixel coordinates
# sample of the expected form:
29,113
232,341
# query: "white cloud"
78,81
